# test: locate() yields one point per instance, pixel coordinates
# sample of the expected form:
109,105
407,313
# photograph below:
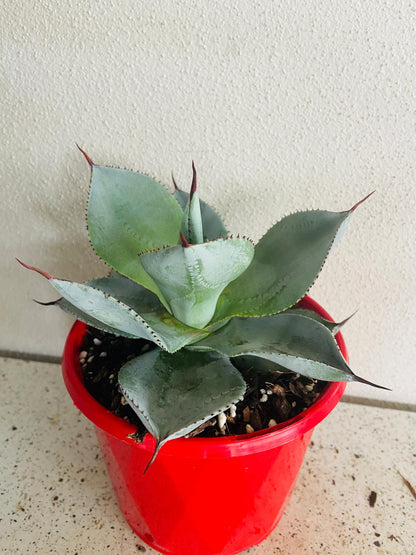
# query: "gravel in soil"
271,397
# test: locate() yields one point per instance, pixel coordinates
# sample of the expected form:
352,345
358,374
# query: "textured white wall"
282,105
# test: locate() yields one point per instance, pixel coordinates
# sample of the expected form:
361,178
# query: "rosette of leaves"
201,295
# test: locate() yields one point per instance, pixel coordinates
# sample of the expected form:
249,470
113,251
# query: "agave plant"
202,296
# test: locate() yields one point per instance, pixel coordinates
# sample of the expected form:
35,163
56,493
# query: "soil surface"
271,397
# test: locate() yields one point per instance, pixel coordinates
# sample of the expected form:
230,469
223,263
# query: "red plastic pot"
201,496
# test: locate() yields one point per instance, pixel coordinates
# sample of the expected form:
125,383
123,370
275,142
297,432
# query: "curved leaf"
174,333
298,343
212,224
192,219
258,364
129,213
333,327
175,393
192,277
120,306
286,262
81,315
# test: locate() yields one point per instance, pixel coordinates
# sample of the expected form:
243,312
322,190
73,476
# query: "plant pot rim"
198,447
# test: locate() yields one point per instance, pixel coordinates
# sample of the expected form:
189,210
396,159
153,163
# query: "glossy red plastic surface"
201,496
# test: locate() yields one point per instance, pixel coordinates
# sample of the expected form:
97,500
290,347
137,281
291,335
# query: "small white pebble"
83,354
82,360
111,376
103,354
263,398
90,359
294,404
221,419
309,386
262,391
272,422
269,392
123,401
97,341
249,429
233,411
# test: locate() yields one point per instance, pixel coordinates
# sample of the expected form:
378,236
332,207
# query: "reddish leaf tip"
360,202
184,242
41,272
174,183
88,159
193,186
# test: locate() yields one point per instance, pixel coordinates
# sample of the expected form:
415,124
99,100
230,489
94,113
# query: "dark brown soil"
270,398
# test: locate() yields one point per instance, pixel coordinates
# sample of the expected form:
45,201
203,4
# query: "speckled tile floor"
56,497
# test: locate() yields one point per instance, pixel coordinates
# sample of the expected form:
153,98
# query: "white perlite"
221,419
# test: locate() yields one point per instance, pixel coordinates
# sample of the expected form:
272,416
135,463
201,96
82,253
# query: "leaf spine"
87,158
38,270
360,202
193,186
184,242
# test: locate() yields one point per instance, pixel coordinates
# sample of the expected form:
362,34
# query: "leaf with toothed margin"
298,343
82,316
174,333
128,213
213,226
259,365
174,394
333,327
287,261
191,277
123,307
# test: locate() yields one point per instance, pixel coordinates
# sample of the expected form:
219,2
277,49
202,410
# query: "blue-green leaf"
129,213
191,227
121,306
175,393
212,224
287,260
296,342
333,327
192,277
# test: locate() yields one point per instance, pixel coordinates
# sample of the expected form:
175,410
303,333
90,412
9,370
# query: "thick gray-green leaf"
213,226
192,221
259,365
120,306
174,333
175,393
333,327
82,316
129,213
191,278
287,261
298,343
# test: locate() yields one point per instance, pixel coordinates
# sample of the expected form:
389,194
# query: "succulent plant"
201,295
